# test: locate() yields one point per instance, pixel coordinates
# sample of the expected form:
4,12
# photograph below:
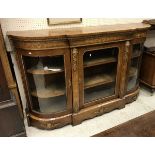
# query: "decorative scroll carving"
101,110
75,53
99,39
75,80
127,45
124,68
132,99
40,45
49,125
140,34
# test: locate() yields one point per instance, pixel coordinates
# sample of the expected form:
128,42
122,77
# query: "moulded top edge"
76,31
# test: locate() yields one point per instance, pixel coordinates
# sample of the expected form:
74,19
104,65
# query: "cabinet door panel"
133,75
99,74
47,83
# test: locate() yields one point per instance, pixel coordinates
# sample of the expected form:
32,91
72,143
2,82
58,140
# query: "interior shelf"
99,79
42,71
99,61
132,71
136,54
48,92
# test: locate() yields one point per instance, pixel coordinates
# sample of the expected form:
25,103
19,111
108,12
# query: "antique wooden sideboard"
11,116
71,75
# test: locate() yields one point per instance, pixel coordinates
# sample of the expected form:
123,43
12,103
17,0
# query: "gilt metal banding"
75,53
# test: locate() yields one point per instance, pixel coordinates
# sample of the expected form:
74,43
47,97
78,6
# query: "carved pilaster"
127,49
75,80
75,53
50,125
124,68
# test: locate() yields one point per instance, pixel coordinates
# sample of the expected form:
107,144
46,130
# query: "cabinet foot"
76,122
121,107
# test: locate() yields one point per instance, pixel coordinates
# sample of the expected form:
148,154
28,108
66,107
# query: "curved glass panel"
134,67
46,82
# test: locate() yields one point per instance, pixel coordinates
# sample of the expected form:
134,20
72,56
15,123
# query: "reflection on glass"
136,50
133,74
46,80
100,68
133,70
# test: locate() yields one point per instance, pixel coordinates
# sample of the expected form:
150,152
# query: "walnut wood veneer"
71,75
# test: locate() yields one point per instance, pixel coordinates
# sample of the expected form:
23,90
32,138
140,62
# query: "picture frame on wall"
61,21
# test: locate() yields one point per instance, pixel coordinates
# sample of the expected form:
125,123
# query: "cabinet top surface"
78,31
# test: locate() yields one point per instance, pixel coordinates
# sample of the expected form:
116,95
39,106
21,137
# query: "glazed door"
99,73
48,81
134,67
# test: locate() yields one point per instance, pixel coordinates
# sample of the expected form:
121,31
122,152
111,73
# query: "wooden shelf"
99,61
48,92
42,71
136,54
102,79
132,71
97,80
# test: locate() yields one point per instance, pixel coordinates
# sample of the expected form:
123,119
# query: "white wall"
19,24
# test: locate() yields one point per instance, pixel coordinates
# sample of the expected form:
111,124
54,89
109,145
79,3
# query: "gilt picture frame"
61,21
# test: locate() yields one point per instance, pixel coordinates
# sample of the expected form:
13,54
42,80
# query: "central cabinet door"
48,81
99,74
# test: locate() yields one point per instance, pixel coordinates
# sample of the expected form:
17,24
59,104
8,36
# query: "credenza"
70,75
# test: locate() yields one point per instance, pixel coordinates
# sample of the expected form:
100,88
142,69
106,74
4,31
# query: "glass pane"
136,50
133,70
46,81
100,67
133,74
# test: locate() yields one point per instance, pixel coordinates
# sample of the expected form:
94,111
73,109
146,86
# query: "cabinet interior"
46,80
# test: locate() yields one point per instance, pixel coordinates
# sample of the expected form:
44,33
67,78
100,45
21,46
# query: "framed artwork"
59,21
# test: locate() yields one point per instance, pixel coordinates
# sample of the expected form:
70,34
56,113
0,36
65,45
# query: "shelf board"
132,71
42,71
48,92
97,80
99,61
136,55
102,79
